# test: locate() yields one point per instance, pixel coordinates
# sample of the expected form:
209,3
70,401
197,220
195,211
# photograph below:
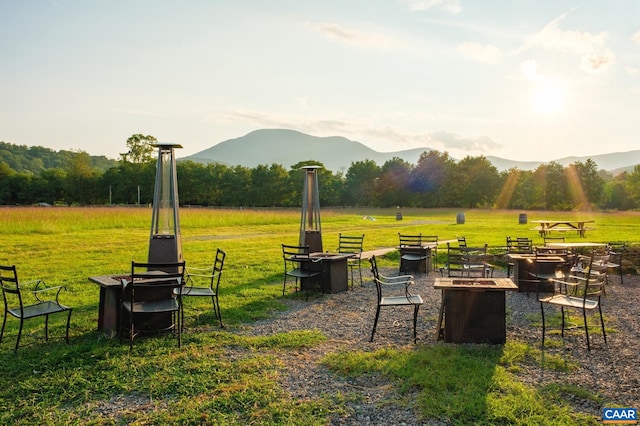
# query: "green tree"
632,185
81,180
139,149
428,178
585,184
481,181
360,184
393,184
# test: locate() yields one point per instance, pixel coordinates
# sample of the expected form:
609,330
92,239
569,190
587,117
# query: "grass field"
54,383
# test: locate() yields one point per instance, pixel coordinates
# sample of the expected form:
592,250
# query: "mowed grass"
221,377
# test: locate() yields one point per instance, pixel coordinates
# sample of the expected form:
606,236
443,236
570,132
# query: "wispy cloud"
352,36
451,6
636,37
595,57
453,141
488,54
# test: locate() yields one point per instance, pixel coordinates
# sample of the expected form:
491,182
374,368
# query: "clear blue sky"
523,80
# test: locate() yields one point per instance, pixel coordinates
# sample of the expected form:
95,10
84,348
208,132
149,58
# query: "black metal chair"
617,251
352,244
205,282
299,265
577,291
518,245
25,303
463,261
387,298
413,255
151,300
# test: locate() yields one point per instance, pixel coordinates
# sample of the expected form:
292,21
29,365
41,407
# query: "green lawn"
54,383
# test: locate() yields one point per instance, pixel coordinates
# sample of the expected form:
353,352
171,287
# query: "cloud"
451,6
597,63
636,37
631,70
529,68
487,54
353,37
453,141
590,47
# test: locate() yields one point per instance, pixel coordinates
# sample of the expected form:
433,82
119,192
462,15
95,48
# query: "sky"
525,80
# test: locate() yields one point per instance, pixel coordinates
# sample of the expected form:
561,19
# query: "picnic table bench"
545,227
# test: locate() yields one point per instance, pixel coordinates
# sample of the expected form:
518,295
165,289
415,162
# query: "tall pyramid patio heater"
165,245
310,228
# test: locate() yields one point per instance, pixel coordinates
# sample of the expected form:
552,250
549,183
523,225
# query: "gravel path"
346,319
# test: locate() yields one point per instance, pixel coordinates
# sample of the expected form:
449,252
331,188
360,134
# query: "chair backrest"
548,239
595,277
350,243
295,255
464,261
376,277
551,261
10,286
410,240
617,251
153,278
218,264
519,245
462,241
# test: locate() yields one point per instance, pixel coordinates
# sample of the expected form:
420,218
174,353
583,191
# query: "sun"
549,98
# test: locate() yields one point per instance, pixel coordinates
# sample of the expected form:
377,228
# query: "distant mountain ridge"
288,147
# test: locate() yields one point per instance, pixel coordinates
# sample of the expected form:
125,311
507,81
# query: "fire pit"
473,309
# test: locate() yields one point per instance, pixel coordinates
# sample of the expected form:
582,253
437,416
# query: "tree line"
436,180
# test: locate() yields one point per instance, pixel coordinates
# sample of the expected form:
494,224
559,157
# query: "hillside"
288,147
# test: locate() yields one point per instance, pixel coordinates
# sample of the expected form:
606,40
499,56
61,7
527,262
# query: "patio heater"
310,228
165,245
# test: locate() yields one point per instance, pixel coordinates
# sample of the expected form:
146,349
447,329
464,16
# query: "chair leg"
4,321
46,328
543,324
604,333
562,331
586,328
68,324
440,316
375,323
415,323
216,310
360,273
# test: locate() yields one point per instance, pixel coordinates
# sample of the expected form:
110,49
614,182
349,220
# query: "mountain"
288,147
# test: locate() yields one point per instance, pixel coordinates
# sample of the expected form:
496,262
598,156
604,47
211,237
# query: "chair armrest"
41,290
210,268
397,279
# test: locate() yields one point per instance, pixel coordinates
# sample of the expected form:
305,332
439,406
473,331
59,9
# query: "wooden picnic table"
547,226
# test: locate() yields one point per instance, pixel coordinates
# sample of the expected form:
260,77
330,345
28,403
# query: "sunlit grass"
221,377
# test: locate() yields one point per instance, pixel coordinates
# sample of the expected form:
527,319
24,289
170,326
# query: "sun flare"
549,99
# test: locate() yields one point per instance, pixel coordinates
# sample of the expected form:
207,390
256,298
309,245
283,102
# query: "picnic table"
545,227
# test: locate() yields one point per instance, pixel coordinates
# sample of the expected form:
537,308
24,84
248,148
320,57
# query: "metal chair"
299,265
209,280
352,244
413,255
151,299
548,239
577,292
617,251
384,288
468,261
518,245
23,303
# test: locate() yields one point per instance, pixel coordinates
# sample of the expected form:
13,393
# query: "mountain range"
289,147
